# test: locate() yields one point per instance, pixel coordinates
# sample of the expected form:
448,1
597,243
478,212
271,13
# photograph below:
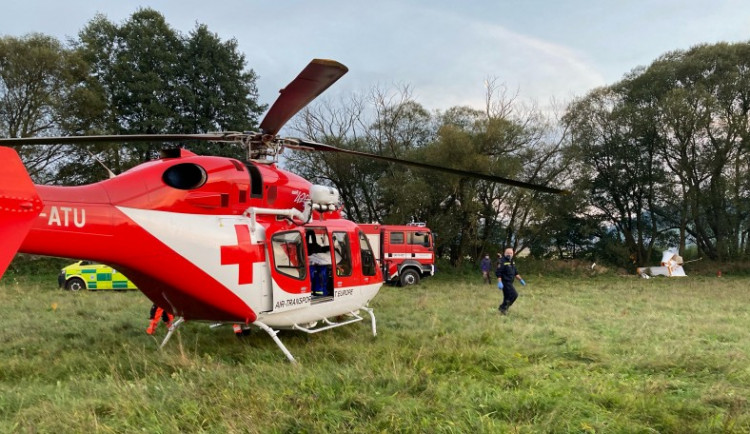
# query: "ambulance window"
419,238
343,254
397,238
368,259
289,254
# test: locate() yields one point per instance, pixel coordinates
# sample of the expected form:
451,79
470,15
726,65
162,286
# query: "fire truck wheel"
75,284
409,277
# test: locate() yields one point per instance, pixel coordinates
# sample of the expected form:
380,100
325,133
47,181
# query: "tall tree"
385,122
154,80
469,214
215,91
670,147
704,103
41,93
616,146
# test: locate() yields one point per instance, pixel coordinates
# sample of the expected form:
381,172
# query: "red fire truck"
405,253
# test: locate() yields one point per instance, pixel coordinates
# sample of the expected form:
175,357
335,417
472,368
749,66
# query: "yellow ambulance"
92,276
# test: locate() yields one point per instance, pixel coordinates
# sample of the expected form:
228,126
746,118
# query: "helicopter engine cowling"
324,198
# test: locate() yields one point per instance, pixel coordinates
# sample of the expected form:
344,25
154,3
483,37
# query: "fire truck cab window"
397,238
343,254
289,254
368,259
419,238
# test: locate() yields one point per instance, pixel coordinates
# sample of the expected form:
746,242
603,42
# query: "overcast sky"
443,49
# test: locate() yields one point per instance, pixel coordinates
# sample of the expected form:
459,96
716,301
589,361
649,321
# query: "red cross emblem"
244,254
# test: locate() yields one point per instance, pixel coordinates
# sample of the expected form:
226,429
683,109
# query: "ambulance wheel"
75,284
409,277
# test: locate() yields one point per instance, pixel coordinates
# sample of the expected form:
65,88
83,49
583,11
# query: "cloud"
446,57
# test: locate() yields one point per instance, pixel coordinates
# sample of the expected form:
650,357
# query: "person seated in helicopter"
323,258
312,243
320,258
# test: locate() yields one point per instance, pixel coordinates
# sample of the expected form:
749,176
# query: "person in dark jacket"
506,273
485,266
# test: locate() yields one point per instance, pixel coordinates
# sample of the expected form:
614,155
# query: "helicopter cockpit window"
289,254
185,176
343,254
368,259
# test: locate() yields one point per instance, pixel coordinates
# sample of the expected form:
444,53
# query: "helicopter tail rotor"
19,205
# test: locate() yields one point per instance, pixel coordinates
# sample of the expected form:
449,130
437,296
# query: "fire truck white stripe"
409,255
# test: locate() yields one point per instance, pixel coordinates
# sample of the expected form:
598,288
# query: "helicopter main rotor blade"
305,144
211,137
317,76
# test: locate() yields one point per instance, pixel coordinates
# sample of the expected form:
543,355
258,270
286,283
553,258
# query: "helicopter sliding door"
290,283
321,263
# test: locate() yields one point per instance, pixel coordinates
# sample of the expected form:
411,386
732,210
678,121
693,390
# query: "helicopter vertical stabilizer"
19,205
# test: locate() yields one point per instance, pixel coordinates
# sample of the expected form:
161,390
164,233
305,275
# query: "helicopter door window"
368,259
288,254
343,254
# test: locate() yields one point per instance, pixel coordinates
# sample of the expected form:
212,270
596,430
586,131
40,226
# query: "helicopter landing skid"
271,332
327,325
176,323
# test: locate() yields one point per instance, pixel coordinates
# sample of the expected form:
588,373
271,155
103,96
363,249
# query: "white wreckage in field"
671,266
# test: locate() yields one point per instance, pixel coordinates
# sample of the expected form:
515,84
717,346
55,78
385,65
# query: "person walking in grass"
485,265
506,273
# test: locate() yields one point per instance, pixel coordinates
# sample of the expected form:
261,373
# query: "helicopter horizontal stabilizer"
19,205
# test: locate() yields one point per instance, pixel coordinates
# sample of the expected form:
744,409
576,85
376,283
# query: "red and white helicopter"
212,238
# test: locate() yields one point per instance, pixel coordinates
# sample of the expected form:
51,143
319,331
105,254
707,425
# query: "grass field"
602,354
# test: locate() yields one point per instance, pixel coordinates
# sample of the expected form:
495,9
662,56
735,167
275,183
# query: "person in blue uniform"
507,273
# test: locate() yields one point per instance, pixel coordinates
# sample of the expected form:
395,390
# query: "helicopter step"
311,328
327,324
320,299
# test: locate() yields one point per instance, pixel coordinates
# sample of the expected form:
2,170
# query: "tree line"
658,159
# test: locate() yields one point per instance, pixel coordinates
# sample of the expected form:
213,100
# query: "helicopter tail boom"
19,205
